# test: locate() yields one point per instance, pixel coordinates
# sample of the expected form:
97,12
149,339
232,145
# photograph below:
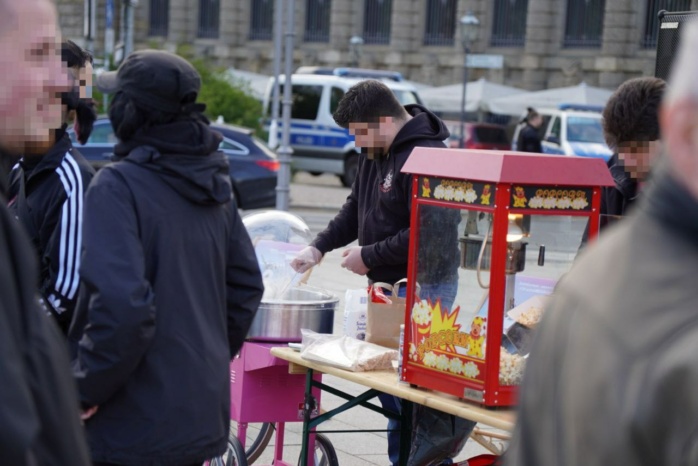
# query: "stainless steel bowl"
300,307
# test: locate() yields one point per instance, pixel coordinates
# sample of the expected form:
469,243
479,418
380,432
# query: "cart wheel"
257,438
324,454
235,456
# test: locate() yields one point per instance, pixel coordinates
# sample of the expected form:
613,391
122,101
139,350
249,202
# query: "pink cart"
264,397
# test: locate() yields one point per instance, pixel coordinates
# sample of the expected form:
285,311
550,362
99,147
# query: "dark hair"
75,57
531,113
128,117
631,113
366,102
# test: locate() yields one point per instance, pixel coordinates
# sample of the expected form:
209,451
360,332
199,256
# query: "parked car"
478,136
572,130
253,166
319,144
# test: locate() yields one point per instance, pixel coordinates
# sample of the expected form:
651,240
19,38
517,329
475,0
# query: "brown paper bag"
383,320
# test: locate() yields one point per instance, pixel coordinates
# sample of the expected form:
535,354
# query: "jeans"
447,293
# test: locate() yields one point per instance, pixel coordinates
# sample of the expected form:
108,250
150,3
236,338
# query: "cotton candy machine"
288,304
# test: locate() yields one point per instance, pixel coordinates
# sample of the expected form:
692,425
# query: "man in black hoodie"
170,275
377,212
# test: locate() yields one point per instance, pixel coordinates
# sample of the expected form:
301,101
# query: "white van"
319,144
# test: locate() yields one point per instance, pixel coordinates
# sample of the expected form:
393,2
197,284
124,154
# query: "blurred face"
536,121
637,157
373,138
32,76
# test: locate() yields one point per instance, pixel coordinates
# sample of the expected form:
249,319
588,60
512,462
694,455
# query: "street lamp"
469,29
355,44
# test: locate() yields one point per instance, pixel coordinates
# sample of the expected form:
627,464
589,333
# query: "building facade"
544,43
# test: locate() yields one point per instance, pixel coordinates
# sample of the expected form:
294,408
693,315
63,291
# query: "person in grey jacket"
171,280
612,375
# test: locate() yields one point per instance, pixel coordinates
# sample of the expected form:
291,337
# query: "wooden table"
387,382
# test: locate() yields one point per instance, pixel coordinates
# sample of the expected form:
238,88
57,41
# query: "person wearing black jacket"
377,211
39,412
46,194
529,136
171,278
631,130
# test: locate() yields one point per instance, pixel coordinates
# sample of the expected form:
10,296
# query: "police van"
319,144
572,130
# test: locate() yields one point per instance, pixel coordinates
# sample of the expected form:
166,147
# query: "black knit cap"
157,79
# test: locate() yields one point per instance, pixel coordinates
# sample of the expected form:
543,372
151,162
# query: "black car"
253,167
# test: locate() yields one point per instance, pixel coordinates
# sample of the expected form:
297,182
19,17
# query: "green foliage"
232,100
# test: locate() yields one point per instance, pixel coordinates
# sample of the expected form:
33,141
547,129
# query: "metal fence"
509,24
209,19
159,17
317,21
377,15
441,22
262,19
649,38
584,23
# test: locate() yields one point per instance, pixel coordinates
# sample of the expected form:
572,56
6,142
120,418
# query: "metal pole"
462,102
278,29
128,43
285,151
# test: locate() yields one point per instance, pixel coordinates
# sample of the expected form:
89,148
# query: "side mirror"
553,140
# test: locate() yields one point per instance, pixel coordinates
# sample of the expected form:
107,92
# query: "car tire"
351,168
315,173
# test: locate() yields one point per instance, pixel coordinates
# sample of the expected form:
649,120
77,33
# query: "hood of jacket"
423,125
185,155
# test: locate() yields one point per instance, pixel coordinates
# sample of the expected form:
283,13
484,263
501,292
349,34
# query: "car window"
336,95
102,134
233,147
306,101
555,128
585,129
406,97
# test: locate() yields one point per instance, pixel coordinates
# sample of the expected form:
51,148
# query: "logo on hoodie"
387,184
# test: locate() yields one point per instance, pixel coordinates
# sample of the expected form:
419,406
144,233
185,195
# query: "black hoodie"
171,285
377,211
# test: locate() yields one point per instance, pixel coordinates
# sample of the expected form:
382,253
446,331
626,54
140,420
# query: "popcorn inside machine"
491,233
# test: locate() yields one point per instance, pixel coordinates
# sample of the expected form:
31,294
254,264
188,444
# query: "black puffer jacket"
50,210
377,211
172,285
39,423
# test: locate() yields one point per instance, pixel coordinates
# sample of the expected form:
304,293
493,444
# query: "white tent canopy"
581,94
478,94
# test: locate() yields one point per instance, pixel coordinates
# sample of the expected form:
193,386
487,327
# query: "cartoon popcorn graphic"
421,320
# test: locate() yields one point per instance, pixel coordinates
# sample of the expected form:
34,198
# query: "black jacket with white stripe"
46,194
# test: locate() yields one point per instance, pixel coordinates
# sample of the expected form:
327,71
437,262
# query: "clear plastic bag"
345,352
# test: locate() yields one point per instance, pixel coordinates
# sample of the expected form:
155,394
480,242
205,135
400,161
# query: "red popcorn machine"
491,232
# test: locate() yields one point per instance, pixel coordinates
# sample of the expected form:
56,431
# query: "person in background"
47,190
171,278
39,412
529,136
631,130
611,378
377,211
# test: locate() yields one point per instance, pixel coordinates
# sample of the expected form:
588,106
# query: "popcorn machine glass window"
484,257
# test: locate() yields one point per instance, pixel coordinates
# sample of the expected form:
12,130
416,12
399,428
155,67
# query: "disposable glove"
306,258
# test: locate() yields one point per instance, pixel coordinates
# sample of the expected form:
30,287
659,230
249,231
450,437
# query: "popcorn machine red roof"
491,232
